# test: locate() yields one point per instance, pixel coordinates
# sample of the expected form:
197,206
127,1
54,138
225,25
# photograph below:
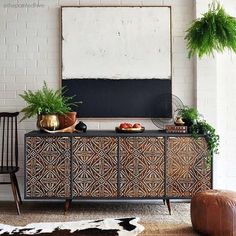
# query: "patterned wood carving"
142,167
186,166
94,167
48,167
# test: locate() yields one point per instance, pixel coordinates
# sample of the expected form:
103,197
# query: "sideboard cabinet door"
142,167
94,167
186,169
48,167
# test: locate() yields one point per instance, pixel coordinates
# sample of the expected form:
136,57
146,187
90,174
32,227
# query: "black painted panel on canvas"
121,98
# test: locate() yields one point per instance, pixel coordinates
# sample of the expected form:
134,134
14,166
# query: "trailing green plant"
198,126
212,138
46,101
214,31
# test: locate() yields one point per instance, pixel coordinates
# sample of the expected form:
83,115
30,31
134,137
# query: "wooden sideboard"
108,165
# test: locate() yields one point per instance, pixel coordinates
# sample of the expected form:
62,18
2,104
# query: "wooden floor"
156,229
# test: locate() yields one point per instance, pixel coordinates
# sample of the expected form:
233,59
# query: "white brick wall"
226,87
29,54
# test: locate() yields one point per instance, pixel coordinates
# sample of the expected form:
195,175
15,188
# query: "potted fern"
214,31
46,104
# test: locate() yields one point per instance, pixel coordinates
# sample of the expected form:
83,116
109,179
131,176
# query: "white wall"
226,87
215,98
205,87
29,54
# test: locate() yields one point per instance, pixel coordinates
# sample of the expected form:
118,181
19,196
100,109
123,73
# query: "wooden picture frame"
127,44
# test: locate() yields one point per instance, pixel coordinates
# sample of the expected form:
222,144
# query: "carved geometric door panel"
142,167
94,167
48,167
186,169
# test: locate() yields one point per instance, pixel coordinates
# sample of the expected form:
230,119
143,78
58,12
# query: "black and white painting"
117,60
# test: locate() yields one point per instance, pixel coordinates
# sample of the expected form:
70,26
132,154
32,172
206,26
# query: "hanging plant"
214,31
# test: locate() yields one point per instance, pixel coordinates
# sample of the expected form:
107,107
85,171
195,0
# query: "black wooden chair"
9,152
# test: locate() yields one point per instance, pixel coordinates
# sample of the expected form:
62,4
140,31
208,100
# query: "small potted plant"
47,104
189,115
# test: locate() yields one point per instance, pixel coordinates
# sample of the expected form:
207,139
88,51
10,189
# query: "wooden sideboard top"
108,133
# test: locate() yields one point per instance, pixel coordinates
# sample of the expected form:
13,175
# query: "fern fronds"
46,101
214,31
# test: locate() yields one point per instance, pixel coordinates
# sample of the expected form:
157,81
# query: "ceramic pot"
67,120
81,126
49,122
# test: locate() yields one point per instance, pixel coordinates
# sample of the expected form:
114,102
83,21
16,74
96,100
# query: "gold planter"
49,122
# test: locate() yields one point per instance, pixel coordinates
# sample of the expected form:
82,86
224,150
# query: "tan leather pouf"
213,212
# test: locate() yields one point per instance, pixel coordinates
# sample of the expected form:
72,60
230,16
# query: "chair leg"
13,186
164,201
17,187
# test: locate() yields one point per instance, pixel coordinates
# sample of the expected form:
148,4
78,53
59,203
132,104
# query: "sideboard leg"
67,205
168,205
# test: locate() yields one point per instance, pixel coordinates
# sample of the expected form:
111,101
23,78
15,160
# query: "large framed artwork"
117,60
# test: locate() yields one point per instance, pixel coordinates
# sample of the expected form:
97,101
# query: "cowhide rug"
106,227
